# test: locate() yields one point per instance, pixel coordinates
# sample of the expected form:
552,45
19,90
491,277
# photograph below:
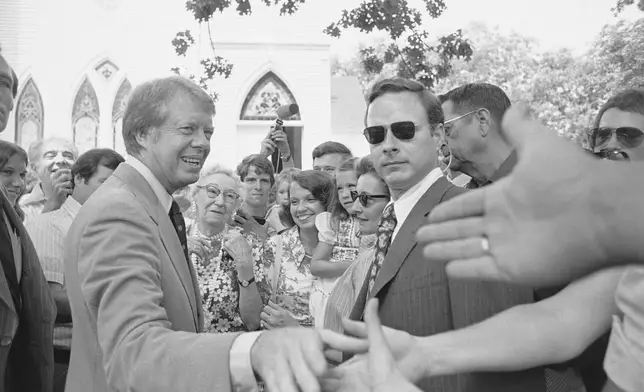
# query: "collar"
71,206
162,194
504,170
37,195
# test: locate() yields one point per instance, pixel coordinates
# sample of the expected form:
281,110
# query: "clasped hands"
293,359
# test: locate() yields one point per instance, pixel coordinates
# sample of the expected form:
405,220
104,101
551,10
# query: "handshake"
292,360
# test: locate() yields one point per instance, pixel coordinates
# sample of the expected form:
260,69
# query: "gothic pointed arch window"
120,102
266,96
85,117
29,115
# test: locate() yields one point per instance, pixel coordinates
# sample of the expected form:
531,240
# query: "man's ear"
484,118
78,180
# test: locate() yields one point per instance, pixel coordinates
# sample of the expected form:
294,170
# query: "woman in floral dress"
288,255
227,261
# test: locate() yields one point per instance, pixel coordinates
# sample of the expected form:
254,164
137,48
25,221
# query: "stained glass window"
120,102
85,117
263,100
29,115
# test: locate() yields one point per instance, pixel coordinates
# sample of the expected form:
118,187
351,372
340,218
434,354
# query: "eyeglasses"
456,119
230,197
629,137
364,197
403,130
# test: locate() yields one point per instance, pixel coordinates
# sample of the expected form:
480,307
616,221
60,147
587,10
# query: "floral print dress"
294,282
346,244
219,286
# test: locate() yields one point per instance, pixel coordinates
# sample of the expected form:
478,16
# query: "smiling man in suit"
135,302
27,309
416,296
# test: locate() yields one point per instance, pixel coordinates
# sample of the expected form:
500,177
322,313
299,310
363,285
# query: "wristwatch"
246,283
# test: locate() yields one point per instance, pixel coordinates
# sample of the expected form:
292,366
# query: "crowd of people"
472,250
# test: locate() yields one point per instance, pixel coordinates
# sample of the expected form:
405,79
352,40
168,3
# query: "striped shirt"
48,232
33,203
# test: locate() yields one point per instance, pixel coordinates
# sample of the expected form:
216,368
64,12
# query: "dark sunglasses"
403,130
629,137
364,198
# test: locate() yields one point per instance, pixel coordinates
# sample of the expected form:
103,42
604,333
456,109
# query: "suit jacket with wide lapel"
135,301
416,296
26,330
143,192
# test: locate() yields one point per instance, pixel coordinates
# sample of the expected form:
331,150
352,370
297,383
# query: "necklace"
213,249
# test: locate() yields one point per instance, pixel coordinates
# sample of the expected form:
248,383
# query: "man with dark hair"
257,177
328,156
619,126
473,115
48,232
27,309
416,296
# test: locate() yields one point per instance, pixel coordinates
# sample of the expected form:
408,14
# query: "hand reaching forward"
292,359
554,219
393,363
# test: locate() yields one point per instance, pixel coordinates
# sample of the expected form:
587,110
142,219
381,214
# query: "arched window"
118,110
266,96
29,115
85,117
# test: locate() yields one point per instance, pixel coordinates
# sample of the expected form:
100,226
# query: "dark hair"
320,184
147,107
87,164
631,100
337,210
8,150
14,89
474,96
331,148
365,166
399,85
262,166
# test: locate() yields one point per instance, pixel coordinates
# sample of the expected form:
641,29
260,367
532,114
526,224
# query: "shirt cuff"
241,369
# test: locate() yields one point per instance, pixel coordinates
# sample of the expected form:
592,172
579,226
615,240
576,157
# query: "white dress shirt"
406,202
241,369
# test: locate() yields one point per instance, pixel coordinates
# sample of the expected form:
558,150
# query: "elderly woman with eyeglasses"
227,260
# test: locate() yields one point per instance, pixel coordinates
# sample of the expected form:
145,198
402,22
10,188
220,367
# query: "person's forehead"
615,118
16,161
368,182
56,145
331,159
255,172
393,107
5,69
451,110
298,189
222,180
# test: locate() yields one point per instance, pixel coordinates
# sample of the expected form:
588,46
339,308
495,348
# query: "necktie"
179,226
385,231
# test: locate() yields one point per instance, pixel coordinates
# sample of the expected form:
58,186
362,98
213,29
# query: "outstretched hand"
542,225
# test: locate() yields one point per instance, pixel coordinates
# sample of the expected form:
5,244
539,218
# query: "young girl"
339,240
276,215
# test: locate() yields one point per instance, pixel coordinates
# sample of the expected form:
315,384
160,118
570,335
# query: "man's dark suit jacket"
27,314
416,296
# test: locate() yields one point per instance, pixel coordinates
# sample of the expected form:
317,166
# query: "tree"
408,47
622,4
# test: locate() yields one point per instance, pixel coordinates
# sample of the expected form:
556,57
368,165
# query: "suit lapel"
172,246
405,239
6,255
143,191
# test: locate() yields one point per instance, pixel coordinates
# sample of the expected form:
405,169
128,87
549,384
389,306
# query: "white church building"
78,60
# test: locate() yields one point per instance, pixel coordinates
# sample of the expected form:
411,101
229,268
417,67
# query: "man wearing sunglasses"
618,127
473,114
416,296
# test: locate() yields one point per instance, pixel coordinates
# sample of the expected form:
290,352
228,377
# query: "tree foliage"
409,48
566,90
622,4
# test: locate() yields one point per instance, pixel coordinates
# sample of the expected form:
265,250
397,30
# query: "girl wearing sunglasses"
339,239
